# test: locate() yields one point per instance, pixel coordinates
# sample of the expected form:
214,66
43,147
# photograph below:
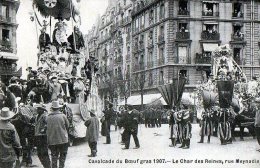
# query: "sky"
27,34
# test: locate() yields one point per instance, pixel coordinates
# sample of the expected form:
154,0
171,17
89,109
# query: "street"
155,152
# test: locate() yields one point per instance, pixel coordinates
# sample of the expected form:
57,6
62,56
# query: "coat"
41,124
93,129
57,128
130,121
9,142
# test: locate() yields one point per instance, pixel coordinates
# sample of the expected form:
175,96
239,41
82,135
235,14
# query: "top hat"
56,105
6,114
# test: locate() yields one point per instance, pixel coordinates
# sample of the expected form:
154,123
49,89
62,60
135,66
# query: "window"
210,28
161,77
183,27
151,16
237,10
183,8
161,56
162,30
5,11
162,11
237,30
210,9
150,83
150,38
182,54
183,73
236,55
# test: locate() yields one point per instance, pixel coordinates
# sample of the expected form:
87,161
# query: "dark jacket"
9,141
130,121
41,124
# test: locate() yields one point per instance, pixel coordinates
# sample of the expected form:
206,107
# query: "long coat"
93,129
41,124
9,141
57,128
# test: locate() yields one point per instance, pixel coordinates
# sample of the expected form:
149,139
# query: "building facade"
8,46
173,38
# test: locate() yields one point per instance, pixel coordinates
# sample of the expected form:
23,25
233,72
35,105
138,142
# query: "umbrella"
59,9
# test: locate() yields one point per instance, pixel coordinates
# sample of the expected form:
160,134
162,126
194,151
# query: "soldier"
206,125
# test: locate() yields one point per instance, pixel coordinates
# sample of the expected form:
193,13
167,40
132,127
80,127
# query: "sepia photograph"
130,83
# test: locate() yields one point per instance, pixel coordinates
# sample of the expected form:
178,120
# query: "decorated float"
62,61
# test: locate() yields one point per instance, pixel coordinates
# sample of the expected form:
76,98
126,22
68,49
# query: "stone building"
8,46
173,38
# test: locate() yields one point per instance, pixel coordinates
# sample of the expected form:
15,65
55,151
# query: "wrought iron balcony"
5,19
183,35
200,59
184,12
237,37
238,15
161,61
127,56
6,46
205,35
119,59
210,13
150,64
161,39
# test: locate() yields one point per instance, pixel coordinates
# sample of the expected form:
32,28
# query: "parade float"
62,59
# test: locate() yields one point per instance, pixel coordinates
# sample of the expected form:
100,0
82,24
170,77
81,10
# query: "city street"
155,152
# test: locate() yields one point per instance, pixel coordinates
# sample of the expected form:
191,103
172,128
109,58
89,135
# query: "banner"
225,91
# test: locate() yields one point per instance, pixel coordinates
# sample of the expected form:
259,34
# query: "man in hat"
41,137
57,135
55,88
130,121
9,140
30,74
108,113
76,37
92,133
44,38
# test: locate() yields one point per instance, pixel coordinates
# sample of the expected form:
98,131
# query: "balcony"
127,56
151,20
235,37
150,64
200,59
183,35
238,15
205,35
139,67
6,46
5,19
161,61
141,45
184,12
161,39
128,38
210,14
10,71
119,59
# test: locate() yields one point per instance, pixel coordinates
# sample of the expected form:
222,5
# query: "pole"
50,27
74,41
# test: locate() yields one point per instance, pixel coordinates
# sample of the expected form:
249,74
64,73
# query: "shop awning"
147,99
209,47
7,55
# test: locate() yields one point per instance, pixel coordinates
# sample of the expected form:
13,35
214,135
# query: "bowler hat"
6,114
55,105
